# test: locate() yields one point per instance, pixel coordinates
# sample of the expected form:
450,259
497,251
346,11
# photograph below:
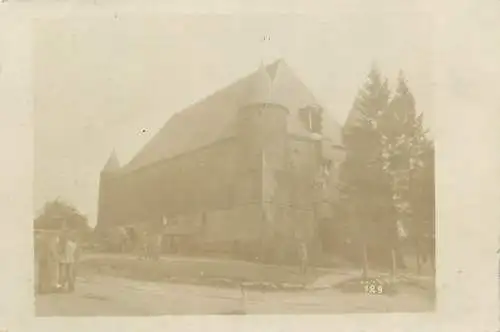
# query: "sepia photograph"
234,165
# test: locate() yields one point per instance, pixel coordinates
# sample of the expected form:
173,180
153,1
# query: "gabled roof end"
112,164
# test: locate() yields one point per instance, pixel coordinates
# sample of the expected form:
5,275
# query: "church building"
251,167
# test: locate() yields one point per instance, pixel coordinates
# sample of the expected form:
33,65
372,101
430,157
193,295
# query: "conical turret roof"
276,84
287,90
260,89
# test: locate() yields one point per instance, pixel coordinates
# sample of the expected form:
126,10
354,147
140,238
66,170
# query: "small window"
311,118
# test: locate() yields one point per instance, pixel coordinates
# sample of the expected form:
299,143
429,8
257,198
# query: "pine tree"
387,180
422,200
405,149
365,185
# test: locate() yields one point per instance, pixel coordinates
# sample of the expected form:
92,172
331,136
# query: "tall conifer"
365,186
407,160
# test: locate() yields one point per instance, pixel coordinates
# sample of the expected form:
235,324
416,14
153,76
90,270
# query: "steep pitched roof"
260,89
112,164
214,118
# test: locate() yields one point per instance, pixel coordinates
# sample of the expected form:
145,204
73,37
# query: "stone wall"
195,182
252,193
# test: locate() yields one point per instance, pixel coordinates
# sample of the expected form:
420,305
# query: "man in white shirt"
68,259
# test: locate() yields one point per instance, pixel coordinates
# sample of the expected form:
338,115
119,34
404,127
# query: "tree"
422,200
407,161
399,127
364,183
58,214
387,179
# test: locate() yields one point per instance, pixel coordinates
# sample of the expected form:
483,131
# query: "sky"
102,84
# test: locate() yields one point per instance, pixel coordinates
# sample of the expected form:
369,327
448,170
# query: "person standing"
141,244
43,256
53,262
303,258
157,244
67,262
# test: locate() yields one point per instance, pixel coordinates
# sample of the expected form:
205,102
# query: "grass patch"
214,272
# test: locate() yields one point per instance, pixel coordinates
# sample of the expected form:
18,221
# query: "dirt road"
99,295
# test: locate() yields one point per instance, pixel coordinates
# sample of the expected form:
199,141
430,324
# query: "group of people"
148,246
57,254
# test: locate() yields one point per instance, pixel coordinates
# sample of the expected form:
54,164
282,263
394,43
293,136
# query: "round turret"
262,120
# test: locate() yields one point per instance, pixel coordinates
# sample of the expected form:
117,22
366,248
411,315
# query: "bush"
58,214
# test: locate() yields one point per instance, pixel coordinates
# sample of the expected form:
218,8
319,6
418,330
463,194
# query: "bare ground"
102,291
